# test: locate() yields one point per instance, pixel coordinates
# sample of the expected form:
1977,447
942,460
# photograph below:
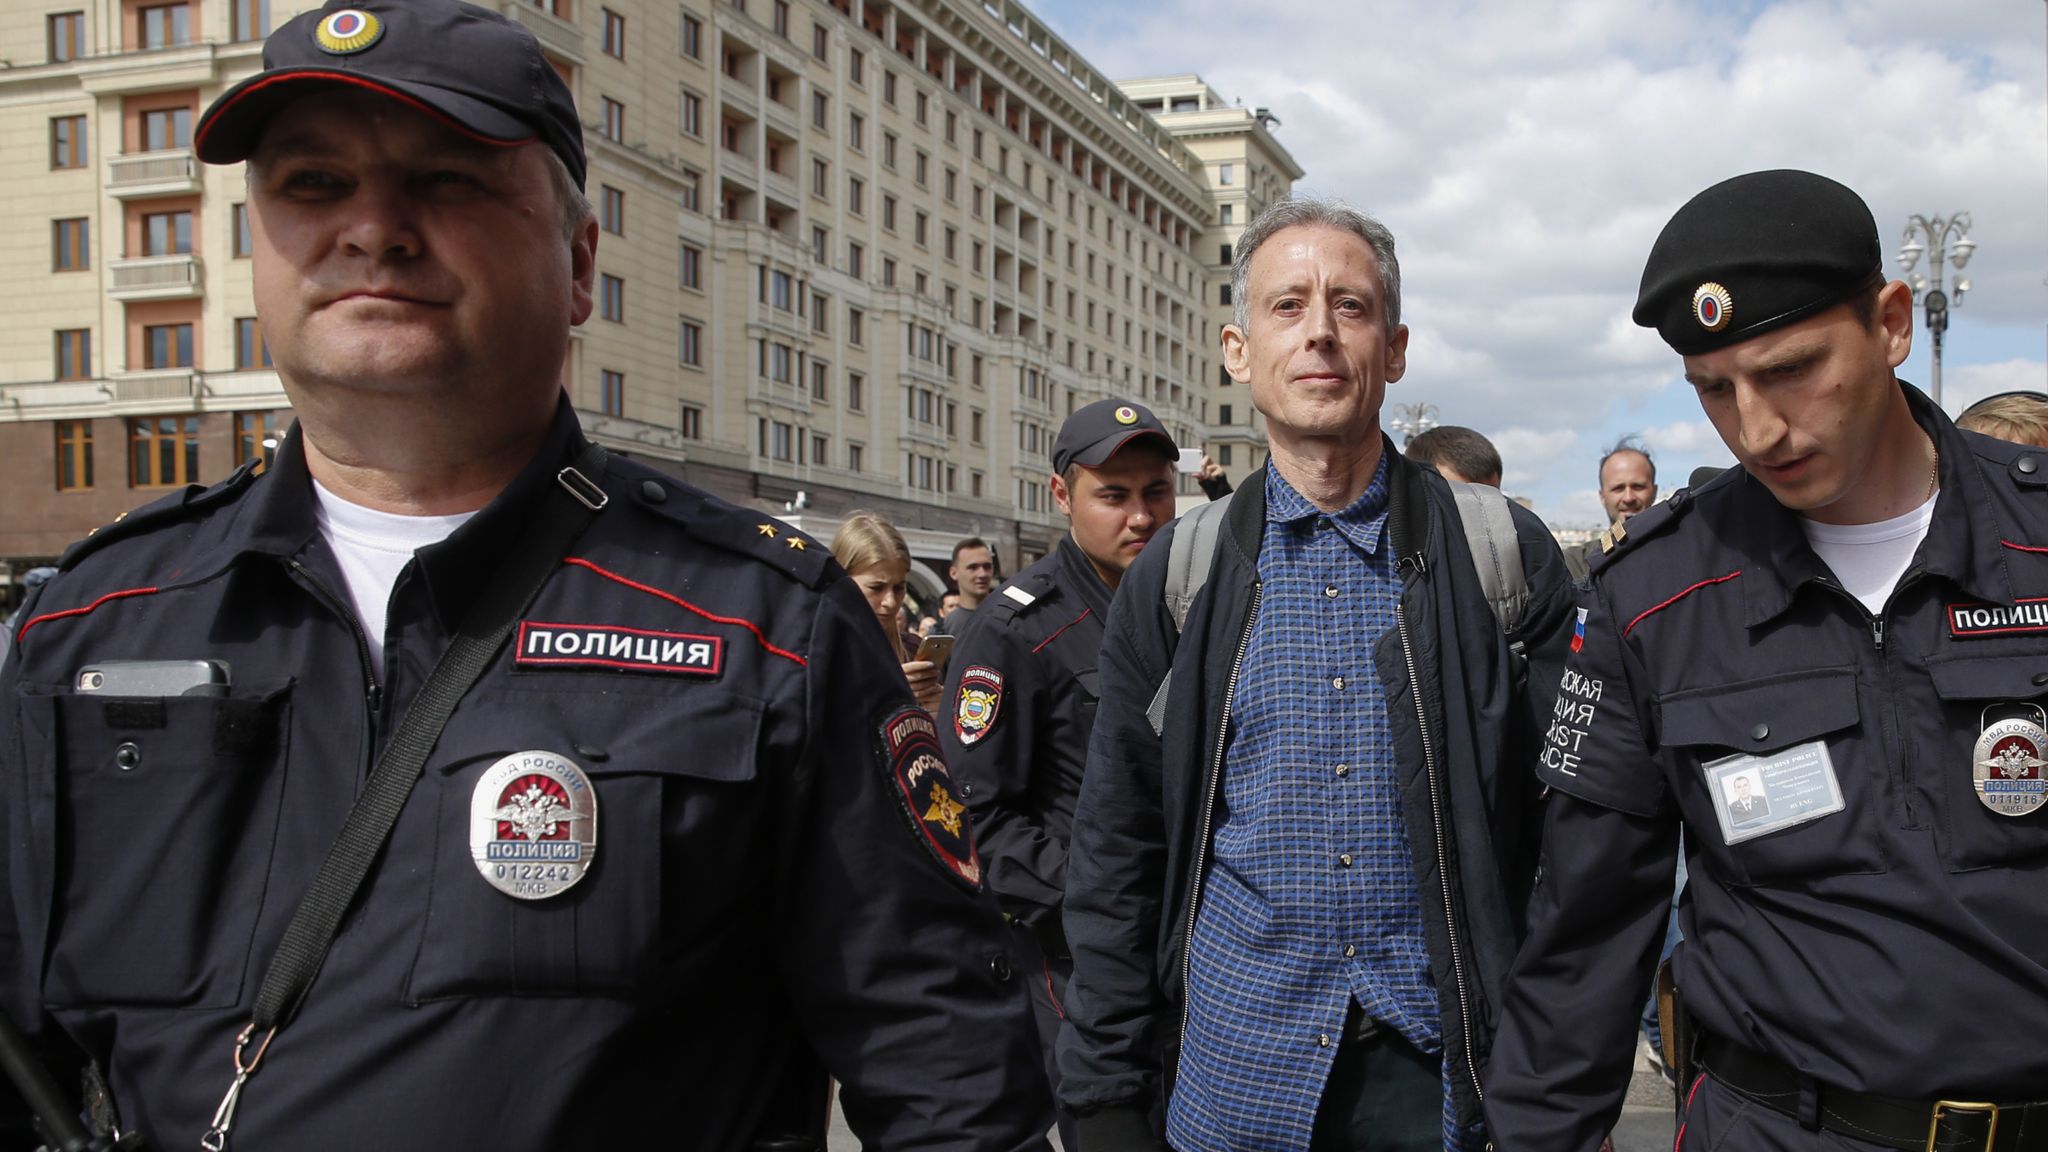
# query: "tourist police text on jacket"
1894,941
780,868
1465,726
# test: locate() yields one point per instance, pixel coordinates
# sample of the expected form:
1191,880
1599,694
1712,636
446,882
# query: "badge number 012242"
533,824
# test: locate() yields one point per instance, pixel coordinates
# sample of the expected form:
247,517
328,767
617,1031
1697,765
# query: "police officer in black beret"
1020,687
1848,628
675,843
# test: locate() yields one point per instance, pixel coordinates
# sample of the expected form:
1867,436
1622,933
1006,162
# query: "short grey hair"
1309,212
574,205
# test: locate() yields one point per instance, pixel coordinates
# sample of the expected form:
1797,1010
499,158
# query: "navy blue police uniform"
783,874
1871,949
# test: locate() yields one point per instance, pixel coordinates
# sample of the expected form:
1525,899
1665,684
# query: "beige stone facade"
858,253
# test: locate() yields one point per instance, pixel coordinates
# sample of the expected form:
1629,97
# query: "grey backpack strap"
1496,551
1188,558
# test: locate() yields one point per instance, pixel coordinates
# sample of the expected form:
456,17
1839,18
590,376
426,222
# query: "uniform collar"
1078,573
1962,543
1360,521
281,520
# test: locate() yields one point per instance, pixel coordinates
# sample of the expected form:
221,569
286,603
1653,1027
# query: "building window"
67,42
693,192
74,354
821,179
693,38
889,87
1223,455
821,40
919,229
73,245
920,166
249,20
821,242
167,346
692,272
856,388
923,108
611,211
780,19
854,194
781,441
165,25
1223,252
165,128
821,111
693,114
821,380
163,451
1226,173
777,361
854,61
67,142
614,120
856,457
889,212
692,347
614,34
1228,216
821,449
611,399
244,242
691,425
1223,414
255,438
251,350
611,296
888,271
74,455
167,233
1223,293
889,150
821,310
854,124
853,260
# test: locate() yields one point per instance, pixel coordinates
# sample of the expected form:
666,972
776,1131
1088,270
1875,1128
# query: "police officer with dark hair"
1850,621
1021,691
684,847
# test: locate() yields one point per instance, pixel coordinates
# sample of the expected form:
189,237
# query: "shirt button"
1330,590
1760,732
1345,859
1350,950
1323,1041
1337,683
1343,770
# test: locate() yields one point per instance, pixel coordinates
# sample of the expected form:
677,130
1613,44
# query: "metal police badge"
2007,766
533,825
981,697
1711,306
347,32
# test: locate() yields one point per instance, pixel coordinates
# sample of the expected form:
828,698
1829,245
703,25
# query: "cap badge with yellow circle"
347,32
1127,415
1712,306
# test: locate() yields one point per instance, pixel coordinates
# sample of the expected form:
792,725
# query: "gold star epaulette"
180,505
1622,536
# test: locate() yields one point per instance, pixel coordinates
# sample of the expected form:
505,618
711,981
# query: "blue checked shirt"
1310,902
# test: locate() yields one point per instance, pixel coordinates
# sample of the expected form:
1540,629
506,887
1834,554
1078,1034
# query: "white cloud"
1965,385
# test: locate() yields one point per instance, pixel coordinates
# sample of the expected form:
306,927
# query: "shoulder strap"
518,578
1189,556
1496,551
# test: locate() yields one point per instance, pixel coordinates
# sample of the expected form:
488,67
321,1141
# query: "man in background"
1458,454
973,574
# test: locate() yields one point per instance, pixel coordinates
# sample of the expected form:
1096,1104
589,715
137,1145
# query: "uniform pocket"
650,761
141,782
1766,716
1971,835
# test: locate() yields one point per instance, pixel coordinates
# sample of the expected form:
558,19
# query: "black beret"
1756,253
473,69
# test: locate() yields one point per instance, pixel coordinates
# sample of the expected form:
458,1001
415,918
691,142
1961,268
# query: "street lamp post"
1412,420
1927,288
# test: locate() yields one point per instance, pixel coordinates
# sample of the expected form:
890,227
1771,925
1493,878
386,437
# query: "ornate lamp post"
1412,420
1927,288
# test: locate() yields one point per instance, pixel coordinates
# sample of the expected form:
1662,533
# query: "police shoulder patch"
909,745
979,700
1620,538
183,504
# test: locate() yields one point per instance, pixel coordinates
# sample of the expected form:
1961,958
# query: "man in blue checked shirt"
1295,888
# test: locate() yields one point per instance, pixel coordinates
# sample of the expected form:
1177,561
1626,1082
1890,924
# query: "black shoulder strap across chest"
557,523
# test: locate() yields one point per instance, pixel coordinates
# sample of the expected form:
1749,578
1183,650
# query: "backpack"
1489,532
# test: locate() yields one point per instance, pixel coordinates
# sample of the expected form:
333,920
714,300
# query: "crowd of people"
453,782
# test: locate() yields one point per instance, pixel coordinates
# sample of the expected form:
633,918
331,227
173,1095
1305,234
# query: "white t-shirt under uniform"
373,548
1869,558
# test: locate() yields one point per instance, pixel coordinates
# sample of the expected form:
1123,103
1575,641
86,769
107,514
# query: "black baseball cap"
477,71
1097,431
1754,254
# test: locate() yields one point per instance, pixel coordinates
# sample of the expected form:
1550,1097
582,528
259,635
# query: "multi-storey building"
853,253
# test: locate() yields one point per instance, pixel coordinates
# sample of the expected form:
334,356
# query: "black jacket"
1467,756
776,872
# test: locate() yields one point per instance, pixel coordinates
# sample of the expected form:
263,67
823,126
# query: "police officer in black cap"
1849,626
675,841
1020,687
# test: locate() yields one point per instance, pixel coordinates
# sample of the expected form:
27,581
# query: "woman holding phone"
873,552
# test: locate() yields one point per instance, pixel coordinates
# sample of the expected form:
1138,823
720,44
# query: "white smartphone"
1190,461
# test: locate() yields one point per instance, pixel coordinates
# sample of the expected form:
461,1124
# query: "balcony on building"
171,172
174,386
558,36
175,277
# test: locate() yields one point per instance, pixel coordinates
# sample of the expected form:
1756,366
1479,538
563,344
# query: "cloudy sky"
1526,155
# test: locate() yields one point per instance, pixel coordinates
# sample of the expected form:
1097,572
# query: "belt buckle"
1972,1106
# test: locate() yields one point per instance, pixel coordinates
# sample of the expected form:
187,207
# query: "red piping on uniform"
1063,628
1678,1142
360,82
1675,599
679,602
121,595
1058,1008
2023,547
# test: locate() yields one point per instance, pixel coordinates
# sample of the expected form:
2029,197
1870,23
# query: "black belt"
1886,1121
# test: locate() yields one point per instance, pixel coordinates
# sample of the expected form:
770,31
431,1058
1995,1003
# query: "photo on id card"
1758,795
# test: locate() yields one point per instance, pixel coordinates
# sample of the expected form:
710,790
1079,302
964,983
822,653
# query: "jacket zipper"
372,694
1436,816
1187,952
1890,734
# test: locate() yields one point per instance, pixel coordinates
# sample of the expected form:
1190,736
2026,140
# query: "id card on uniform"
1757,795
